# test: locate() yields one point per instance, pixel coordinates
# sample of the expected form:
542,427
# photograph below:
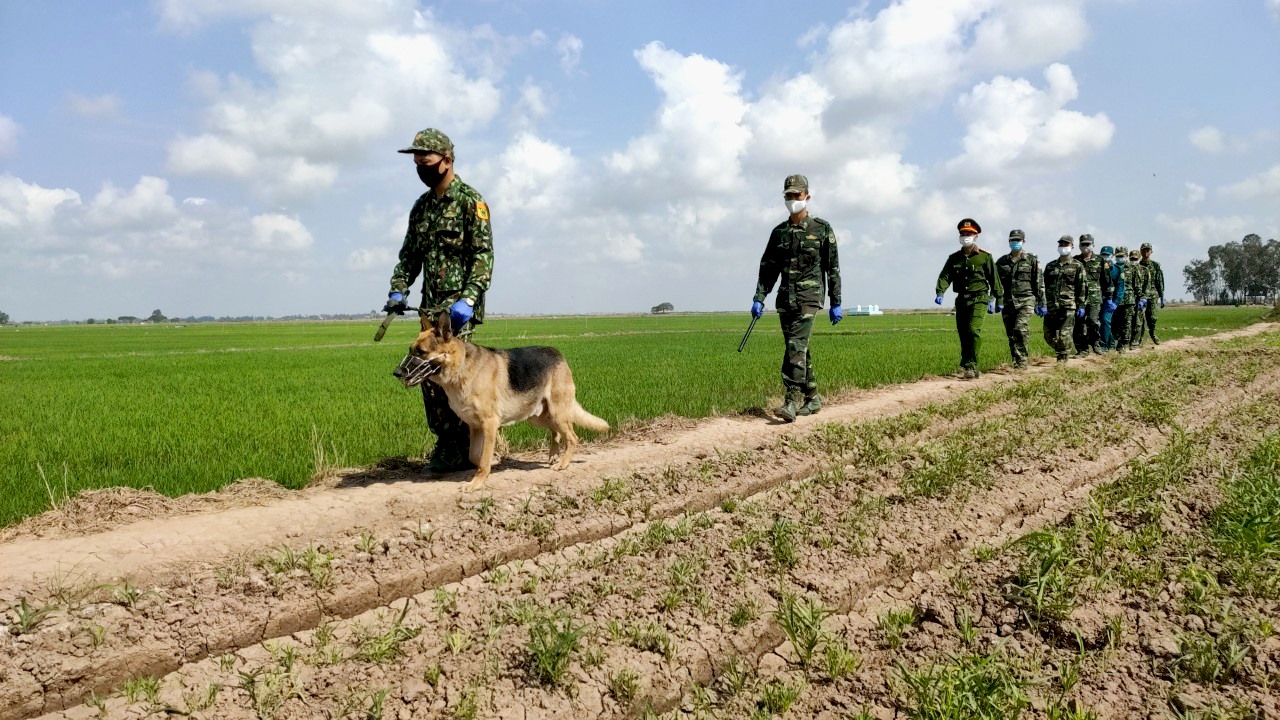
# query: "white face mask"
968,240
1064,251
795,206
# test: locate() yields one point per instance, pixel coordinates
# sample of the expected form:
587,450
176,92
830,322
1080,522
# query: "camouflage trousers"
1137,325
1058,327
1151,315
453,436
969,315
797,363
1120,323
1017,318
1088,329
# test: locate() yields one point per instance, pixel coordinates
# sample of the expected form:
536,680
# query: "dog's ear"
424,322
444,327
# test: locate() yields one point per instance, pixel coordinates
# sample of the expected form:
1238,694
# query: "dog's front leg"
483,441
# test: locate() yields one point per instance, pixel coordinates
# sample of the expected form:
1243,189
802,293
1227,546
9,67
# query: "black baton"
748,333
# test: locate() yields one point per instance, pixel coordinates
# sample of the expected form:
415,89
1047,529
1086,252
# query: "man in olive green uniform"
1155,290
1019,273
1065,293
450,242
1088,332
971,272
802,252
1141,286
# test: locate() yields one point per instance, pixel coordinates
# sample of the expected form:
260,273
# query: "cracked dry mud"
658,562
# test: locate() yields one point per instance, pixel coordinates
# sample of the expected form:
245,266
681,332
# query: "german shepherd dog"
490,388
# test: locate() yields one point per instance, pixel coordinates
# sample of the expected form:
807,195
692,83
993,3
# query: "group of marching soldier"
1091,303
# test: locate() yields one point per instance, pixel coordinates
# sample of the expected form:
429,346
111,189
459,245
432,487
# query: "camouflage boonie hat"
1086,239
1145,246
796,183
969,225
1017,235
431,140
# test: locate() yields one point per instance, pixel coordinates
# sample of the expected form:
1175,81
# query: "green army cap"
1017,235
1066,240
1086,239
1145,246
431,140
796,183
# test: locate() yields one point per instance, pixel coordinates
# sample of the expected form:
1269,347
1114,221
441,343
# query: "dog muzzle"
414,370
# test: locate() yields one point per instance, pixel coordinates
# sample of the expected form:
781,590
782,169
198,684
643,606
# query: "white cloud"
1014,126
26,207
570,49
698,138
1274,5
94,107
1205,229
148,204
1207,139
371,259
338,78
1265,184
9,131
274,232
1194,196
532,175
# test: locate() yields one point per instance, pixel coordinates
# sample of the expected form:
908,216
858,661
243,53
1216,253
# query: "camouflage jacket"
1020,279
1095,279
973,277
1135,284
1155,288
805,257
1064,284
450,242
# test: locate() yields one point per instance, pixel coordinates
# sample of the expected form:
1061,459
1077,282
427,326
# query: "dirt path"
880,484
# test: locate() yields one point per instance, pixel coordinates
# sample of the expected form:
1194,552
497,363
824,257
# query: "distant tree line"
1236,273
662,308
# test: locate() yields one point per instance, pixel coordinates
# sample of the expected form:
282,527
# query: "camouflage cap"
796,183
1017,235
431,140
1122,250
1133,255
1066,240
1086,239
1145,246
969,225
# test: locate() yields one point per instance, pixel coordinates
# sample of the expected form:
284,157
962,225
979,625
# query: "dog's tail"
582,418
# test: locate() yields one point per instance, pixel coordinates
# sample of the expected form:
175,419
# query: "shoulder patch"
482,210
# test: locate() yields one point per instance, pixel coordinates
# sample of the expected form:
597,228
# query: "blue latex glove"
1042,310
1142,304
459,313
395,303
937,300
1109,305
999,308
1079,313
1161,303
837,314
757,310
991,308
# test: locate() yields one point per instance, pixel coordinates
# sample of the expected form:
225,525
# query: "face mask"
1064,251
430,175
1119,261
1015,246
1106,258
968,240
795,206
1086,249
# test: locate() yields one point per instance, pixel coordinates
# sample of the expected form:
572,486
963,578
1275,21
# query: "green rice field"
191,408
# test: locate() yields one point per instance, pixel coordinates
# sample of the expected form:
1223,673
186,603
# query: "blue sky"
232,157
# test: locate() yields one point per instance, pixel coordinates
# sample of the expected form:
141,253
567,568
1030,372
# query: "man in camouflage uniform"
1088,331
1019,274
971,271
802,252
1125,299
450,242
1065,292
1141,288
1155,290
